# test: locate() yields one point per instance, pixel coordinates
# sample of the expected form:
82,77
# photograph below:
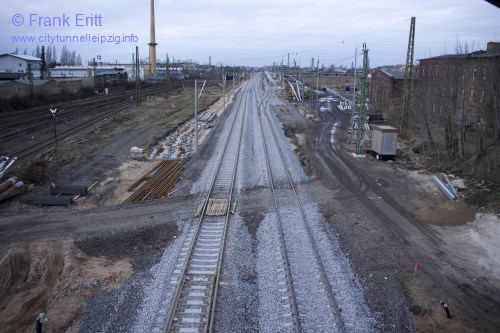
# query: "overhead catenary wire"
314,48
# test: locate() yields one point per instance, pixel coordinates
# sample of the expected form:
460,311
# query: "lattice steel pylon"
404,125
362,110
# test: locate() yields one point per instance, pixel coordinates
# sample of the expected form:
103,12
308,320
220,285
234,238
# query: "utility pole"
361,117
196,98
137,78
95,75
196,115
407,84
224,89
30,76
354,93
167,67
317,88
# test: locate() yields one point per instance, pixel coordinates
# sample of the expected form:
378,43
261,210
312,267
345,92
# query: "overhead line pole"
407,84
354,94
167,65
196,98
317,89
361,117
137,77
224,88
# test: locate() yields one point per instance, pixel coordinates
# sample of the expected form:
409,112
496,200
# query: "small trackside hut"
384,142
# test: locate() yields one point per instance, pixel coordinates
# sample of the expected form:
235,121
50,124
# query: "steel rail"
184,271
39,118
25,151
322,271
288,274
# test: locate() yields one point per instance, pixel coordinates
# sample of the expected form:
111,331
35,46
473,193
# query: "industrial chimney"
152,44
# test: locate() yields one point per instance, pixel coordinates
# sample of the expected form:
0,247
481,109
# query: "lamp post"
54,110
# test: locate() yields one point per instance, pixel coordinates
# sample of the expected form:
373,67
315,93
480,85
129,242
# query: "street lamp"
55,127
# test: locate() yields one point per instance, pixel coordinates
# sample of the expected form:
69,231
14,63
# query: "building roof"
394,74
477,54
21,56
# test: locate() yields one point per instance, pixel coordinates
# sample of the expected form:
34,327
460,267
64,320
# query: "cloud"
260,32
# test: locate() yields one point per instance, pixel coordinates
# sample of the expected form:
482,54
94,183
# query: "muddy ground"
53,259
440,250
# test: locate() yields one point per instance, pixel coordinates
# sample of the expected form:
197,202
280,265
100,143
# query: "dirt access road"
456,263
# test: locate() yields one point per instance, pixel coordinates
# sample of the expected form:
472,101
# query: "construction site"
283,198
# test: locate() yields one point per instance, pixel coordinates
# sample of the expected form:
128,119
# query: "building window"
20,64
481,96
474,73
484,73
430,71
423,70
451,92
442,92
437,71
445,70
463,94
471,96
480,120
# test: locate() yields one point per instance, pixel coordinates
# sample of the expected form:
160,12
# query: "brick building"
386,89
456,101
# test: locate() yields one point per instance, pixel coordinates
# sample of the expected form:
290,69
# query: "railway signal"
53,111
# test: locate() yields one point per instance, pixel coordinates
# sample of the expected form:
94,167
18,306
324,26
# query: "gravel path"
253,292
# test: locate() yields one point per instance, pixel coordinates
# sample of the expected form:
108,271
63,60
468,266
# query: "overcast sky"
254,32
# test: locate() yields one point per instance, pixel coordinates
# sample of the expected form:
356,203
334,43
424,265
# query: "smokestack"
152,44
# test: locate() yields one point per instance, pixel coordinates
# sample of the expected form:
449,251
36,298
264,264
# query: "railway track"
48,142
17,125
280,226
287,199
193,305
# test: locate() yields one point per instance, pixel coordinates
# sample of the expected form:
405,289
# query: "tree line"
48,55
